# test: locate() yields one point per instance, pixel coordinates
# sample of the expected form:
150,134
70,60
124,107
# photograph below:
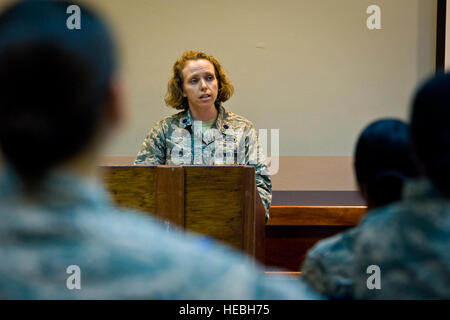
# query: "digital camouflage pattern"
411,246
409,241
178,140
328,265
121,254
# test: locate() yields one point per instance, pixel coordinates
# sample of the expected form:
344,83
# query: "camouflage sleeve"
314,272
255,156
327,267
153,150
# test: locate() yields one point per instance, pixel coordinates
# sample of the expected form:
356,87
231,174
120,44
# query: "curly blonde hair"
174,96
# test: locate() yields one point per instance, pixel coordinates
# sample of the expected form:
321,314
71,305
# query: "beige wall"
310,68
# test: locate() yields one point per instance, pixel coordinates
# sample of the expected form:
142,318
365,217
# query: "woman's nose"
203,84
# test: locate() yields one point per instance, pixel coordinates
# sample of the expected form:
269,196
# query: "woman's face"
200,85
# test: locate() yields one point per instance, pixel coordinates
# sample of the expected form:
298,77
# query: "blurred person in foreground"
59,103
410,244
383,162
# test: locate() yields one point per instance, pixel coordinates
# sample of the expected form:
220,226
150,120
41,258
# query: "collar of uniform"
186,119
421,188
60,188
222,123
10,184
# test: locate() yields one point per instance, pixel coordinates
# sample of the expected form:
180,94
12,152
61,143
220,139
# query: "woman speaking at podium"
204,133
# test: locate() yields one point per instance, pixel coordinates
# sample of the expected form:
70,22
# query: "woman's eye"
193,80
210,78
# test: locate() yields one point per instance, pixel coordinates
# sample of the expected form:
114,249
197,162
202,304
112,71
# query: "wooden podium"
217,201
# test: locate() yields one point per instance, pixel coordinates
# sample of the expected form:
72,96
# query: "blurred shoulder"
380,230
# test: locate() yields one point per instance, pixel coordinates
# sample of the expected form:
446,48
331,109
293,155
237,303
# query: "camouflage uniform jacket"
121,254
410,245
409,241
327,267
231,140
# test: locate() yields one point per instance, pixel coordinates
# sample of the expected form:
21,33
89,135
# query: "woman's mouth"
205,97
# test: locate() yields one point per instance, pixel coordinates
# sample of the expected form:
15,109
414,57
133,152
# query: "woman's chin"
204,105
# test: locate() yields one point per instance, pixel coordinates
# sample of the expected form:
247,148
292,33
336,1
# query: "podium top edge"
176,166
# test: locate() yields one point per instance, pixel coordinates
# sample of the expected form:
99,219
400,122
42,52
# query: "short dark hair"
53,84
430,129
384,159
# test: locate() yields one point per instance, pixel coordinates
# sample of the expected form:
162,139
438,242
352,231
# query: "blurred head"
383,161
56,85
197,66
430,130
